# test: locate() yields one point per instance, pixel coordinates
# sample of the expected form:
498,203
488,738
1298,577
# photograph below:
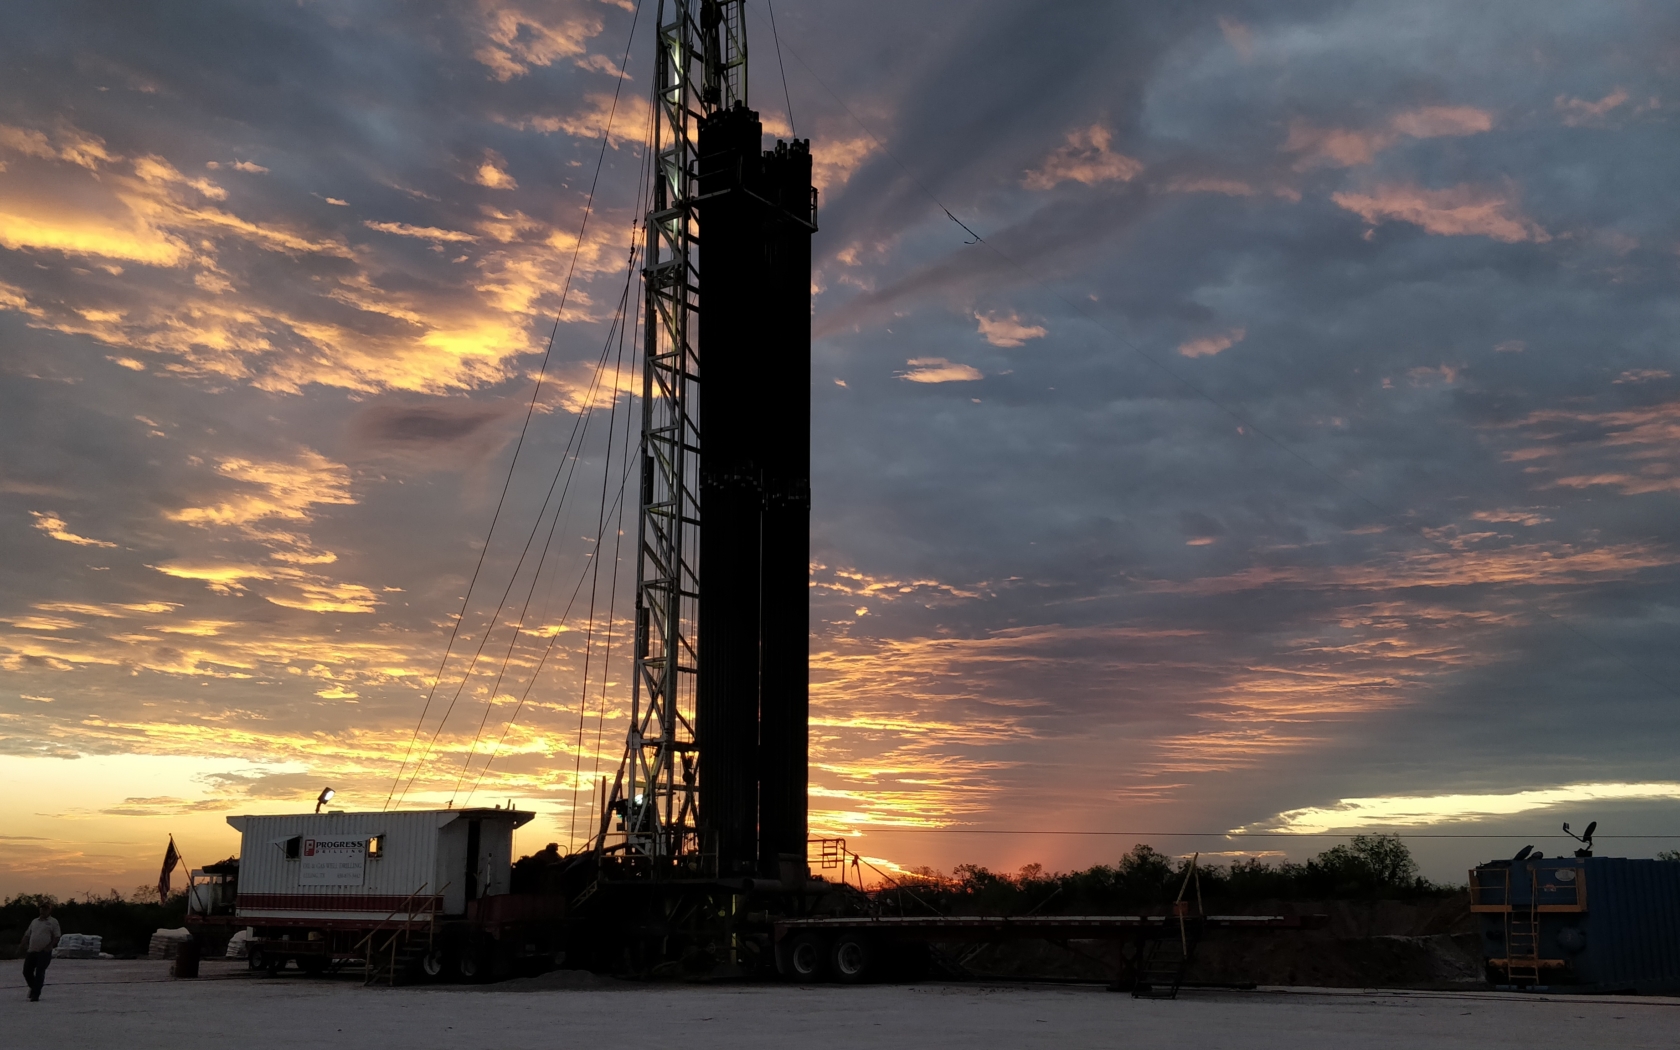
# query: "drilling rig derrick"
713,779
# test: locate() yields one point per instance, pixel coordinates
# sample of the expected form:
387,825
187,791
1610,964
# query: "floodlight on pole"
326,796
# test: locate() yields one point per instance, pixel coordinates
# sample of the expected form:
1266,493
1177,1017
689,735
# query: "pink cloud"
1578,112
1458,211
1085,158
1207,346
1349,148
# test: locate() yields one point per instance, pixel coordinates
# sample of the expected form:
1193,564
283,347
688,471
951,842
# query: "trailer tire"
805,958
853,959
434,965
255,960
475,960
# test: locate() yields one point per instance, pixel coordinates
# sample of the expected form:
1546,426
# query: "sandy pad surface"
136,1006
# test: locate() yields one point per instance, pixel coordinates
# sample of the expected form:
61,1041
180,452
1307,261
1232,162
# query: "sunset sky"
1297,450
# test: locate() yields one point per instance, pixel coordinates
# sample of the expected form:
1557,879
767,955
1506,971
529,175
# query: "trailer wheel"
853,959
254,959
806,957
433,965
475,959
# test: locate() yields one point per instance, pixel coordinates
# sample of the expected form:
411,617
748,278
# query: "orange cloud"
1532,564
1207,346
1460,211
425,233
1087,159
1644,439
403,334
492,172
284,489
520,36
67,143
59,529
939,370
1007,331
629,115
1347,148
1578,113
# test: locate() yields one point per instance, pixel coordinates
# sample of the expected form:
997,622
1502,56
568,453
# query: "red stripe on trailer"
358,902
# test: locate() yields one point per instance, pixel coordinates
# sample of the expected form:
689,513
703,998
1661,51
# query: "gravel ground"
136,1006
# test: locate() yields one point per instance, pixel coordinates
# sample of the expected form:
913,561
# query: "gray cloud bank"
1303,429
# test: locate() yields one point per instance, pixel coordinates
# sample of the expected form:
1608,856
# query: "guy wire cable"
548,541
636,227
612,598
548,651
595,577
777,37
577,248
579,429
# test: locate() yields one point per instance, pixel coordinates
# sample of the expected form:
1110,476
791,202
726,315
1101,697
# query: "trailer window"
376,847
294,847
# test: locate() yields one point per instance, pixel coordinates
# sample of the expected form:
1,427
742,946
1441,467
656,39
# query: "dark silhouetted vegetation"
1369,867
126,924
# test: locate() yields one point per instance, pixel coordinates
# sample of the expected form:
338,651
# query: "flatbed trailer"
855,949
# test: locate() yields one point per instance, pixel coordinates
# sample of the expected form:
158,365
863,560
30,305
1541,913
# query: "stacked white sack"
77,946
164,942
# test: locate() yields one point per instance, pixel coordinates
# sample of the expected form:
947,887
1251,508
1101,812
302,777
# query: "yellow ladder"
1522,934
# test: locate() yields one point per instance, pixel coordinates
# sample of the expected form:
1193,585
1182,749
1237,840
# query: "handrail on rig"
408,914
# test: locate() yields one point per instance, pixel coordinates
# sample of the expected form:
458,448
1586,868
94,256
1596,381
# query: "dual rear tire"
847,958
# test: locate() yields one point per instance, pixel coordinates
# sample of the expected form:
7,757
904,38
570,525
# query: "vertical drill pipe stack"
784,690
755,344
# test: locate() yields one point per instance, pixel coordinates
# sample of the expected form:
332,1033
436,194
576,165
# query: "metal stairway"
392,950
1163,962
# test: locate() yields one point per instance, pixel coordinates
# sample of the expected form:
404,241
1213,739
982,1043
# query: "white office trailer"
355,868
407,894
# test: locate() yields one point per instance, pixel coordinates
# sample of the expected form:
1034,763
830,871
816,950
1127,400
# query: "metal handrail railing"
366,944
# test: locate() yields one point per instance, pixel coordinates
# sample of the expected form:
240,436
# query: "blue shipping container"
1587,924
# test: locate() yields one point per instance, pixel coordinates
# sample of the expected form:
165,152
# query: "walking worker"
38,944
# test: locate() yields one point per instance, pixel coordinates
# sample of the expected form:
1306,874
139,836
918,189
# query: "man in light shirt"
38,942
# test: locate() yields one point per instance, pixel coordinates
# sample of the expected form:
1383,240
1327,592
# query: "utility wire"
1239,834
1417,530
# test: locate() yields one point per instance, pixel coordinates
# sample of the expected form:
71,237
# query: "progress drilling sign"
333,862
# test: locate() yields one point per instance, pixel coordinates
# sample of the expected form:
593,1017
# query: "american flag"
171,857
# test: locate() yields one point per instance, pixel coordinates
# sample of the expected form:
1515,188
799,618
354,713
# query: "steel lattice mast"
700,68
